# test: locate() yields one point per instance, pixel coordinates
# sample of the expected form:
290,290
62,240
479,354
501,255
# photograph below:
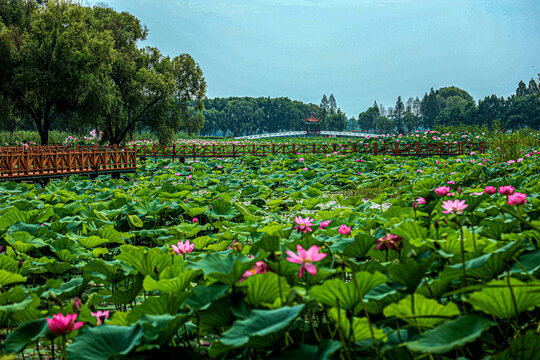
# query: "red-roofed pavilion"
311,120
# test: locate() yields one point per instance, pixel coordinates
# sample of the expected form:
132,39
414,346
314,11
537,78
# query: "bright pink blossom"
421,201
259,268
303,224
456,206
490,190
387,242
506,190
183,247
442,190
61,324
305,259
344,229
195,220
517,198
101,316
324,224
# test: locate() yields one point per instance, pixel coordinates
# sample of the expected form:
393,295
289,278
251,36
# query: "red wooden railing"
263,149
46,161
36,161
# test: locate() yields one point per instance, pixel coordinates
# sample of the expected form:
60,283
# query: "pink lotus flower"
177,174
303,224
259,268
442,190
344,229
195,220
305,259
490,190
304,169
387,242
101,316
421,201
324,224
183,248
301,159
517,198
219,166
456,206
506,190
61,324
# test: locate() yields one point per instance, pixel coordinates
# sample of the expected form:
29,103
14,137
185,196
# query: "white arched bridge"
303,134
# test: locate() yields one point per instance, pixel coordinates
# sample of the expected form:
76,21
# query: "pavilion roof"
312,119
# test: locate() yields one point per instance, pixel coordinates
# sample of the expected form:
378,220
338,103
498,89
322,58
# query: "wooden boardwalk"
37,162
41,162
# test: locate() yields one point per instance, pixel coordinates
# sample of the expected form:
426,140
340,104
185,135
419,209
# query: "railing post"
233,150
376,149
173,152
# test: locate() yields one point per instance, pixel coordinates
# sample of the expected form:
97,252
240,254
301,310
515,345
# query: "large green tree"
144,87
50,65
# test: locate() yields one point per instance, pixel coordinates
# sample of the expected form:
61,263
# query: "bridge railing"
263,149
44,161
61,160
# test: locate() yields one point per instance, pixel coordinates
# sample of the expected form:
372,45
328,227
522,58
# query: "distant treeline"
448,106
245,115
451,106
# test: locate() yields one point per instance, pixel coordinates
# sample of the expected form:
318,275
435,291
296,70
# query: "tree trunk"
44,135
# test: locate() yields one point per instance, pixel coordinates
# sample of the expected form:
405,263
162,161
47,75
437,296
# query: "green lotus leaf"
145,262
497,297
8,263
346,293
203,296
160,329
105,341
146,207
126,296
427,312
25,334
160,305
223,209
524,347
135,221
451,334
173,280
226,268
7,278
360,326
261,329
264,289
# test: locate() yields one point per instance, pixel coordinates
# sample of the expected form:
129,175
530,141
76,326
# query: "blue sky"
360,51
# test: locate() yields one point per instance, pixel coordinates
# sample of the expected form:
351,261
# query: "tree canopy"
59,58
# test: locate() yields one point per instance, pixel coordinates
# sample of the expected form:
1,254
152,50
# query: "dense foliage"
277,257
63,62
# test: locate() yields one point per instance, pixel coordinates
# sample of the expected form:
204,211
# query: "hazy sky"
360,51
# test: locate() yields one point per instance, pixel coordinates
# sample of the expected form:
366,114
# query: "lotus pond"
329,257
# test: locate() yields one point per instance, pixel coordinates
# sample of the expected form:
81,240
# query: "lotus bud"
459,191
436,224
1,249
77,305
415,205
20,264
156,270
237,247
